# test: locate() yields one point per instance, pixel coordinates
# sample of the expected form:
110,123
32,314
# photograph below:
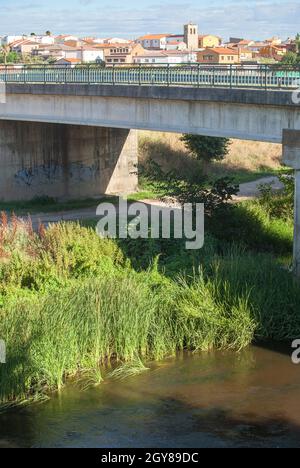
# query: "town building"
7,40
191,36
71,62
257,46
170,57
44,39
65,37
273,52
246,55
24,47
90,55
239,44
175,45
178,38
153,41
208,40
57,51
219,55
84,54
116,40
274,41
122,53
191,39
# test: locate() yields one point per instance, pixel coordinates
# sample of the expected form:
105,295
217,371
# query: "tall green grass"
112,319
251,225
72,303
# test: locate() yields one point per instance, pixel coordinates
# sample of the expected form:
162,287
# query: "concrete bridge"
79,140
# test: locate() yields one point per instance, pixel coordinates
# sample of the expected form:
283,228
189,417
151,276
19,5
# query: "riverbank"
72,303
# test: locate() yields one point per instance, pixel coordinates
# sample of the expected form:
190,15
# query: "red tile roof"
71,60
221,51
153,36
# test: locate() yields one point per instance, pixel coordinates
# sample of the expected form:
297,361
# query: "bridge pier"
65,161
291,157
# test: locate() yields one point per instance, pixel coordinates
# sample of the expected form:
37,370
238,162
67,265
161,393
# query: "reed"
71,303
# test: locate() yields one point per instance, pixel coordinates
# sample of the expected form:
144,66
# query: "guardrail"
191,75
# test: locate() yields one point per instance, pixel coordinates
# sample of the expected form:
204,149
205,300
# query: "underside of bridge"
75,141
65,161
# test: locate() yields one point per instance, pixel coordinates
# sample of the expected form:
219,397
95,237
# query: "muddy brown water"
217,399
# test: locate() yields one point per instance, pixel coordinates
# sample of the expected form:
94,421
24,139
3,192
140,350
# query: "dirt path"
250,190
247,191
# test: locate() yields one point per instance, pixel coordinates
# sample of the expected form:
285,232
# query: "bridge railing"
191,75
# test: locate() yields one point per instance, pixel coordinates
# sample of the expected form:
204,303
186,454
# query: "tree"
291,58
8,56
206,148
192,187
48,33
297,40
4,52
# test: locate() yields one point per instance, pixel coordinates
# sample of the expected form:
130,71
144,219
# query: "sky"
253,19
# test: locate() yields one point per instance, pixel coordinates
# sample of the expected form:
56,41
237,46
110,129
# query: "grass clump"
44,260
250,225
119,318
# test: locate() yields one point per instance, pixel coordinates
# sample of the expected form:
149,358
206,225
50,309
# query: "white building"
6,40
90,55
45,39
58,51
153,41
65,38
170,57
116,40
175,45
175,38
98,40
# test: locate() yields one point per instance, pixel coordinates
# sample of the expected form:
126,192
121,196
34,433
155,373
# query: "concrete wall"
65,161
245,114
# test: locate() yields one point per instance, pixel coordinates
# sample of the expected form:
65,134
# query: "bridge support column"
291,157
65,161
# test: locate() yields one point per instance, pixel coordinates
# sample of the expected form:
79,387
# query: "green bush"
250,225
205,147
279,204
49,258
192,187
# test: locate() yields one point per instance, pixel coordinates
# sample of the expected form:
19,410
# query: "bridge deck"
278,97
195,75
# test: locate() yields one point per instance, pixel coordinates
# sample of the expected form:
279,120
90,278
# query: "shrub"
279,204
192,187
205,147
49,258
250,225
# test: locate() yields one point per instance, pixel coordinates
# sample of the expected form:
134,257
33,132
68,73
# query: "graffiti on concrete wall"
49,174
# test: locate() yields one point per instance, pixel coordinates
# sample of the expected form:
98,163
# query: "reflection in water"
209,400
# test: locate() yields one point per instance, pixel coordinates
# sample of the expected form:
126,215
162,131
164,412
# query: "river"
216,399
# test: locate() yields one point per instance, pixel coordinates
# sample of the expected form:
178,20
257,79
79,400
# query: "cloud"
256,19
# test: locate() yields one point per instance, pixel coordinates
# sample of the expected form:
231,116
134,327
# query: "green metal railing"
191,75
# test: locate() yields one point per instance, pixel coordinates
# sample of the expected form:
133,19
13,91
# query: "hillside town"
188,46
